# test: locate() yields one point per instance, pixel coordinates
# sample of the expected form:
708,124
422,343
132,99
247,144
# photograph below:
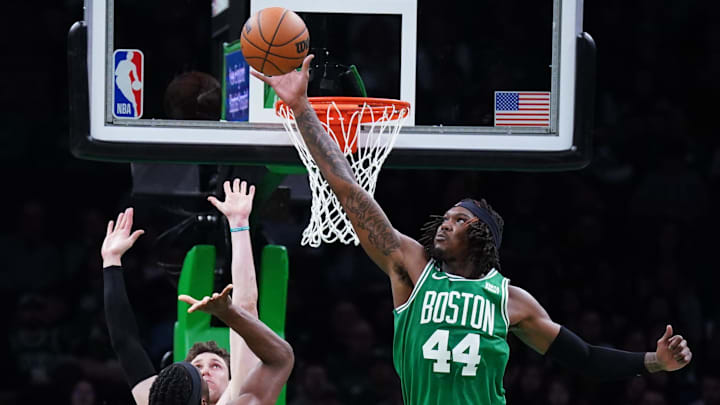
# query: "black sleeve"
122,326
599,362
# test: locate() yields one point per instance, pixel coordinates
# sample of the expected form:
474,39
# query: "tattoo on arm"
323,149
335,168
651,362
380,233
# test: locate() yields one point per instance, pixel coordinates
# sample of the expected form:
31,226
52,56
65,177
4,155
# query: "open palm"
238,202
118,238
216,304
290,87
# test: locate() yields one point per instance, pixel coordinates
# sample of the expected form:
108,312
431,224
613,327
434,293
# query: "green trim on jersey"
450,339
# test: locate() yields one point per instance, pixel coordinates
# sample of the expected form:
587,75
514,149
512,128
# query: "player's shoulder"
141,390
521,300
519,293
523,305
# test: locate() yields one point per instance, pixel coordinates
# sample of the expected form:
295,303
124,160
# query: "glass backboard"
500,85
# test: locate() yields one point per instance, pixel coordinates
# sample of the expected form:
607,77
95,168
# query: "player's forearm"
332,163
245,295
122,328
376,234
596,361
245,292
270,348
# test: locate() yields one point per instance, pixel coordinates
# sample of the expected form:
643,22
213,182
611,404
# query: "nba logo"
128,83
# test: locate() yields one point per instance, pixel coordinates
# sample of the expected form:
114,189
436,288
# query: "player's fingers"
674,341
187,299
226,187
259,76
215,295
214,201
129,213
306,63
243,186
135,235
683,356
681,347
123,220
118,221
668,332
251,192
227,290
109,228
199,304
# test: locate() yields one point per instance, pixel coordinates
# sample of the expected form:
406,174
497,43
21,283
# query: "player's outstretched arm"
265,381
398,255
531,323
237,207
122,326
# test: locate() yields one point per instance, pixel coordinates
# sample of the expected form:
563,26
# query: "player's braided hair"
172,386
483,252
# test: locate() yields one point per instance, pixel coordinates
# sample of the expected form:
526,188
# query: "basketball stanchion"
365,130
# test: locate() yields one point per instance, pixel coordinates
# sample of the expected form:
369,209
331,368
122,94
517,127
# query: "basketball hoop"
365,129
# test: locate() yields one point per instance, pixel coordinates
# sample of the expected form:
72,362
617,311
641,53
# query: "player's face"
451,236
214,372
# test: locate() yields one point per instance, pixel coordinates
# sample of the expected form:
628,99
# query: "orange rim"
348,105
374,109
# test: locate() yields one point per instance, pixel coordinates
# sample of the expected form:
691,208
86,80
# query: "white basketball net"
328,221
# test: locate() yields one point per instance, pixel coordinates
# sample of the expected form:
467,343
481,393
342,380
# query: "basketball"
275,41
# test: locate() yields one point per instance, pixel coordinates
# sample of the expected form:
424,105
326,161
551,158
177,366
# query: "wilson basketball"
275,41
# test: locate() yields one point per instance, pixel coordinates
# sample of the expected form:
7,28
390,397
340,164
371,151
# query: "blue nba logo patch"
128,83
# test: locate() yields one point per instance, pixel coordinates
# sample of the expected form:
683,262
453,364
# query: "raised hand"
118,238
217,305
290,87
672,352
238,202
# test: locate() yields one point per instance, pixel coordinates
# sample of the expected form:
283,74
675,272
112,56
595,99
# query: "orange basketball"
274,41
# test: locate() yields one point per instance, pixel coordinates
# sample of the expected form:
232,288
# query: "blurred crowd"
614,251
614,260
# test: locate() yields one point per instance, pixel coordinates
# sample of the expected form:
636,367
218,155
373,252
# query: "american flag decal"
522,108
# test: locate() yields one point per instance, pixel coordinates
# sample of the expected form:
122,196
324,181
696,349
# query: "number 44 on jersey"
466,352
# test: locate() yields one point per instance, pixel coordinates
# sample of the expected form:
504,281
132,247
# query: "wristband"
239,228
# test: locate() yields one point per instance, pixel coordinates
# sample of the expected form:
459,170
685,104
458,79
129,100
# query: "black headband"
196,380
485,216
